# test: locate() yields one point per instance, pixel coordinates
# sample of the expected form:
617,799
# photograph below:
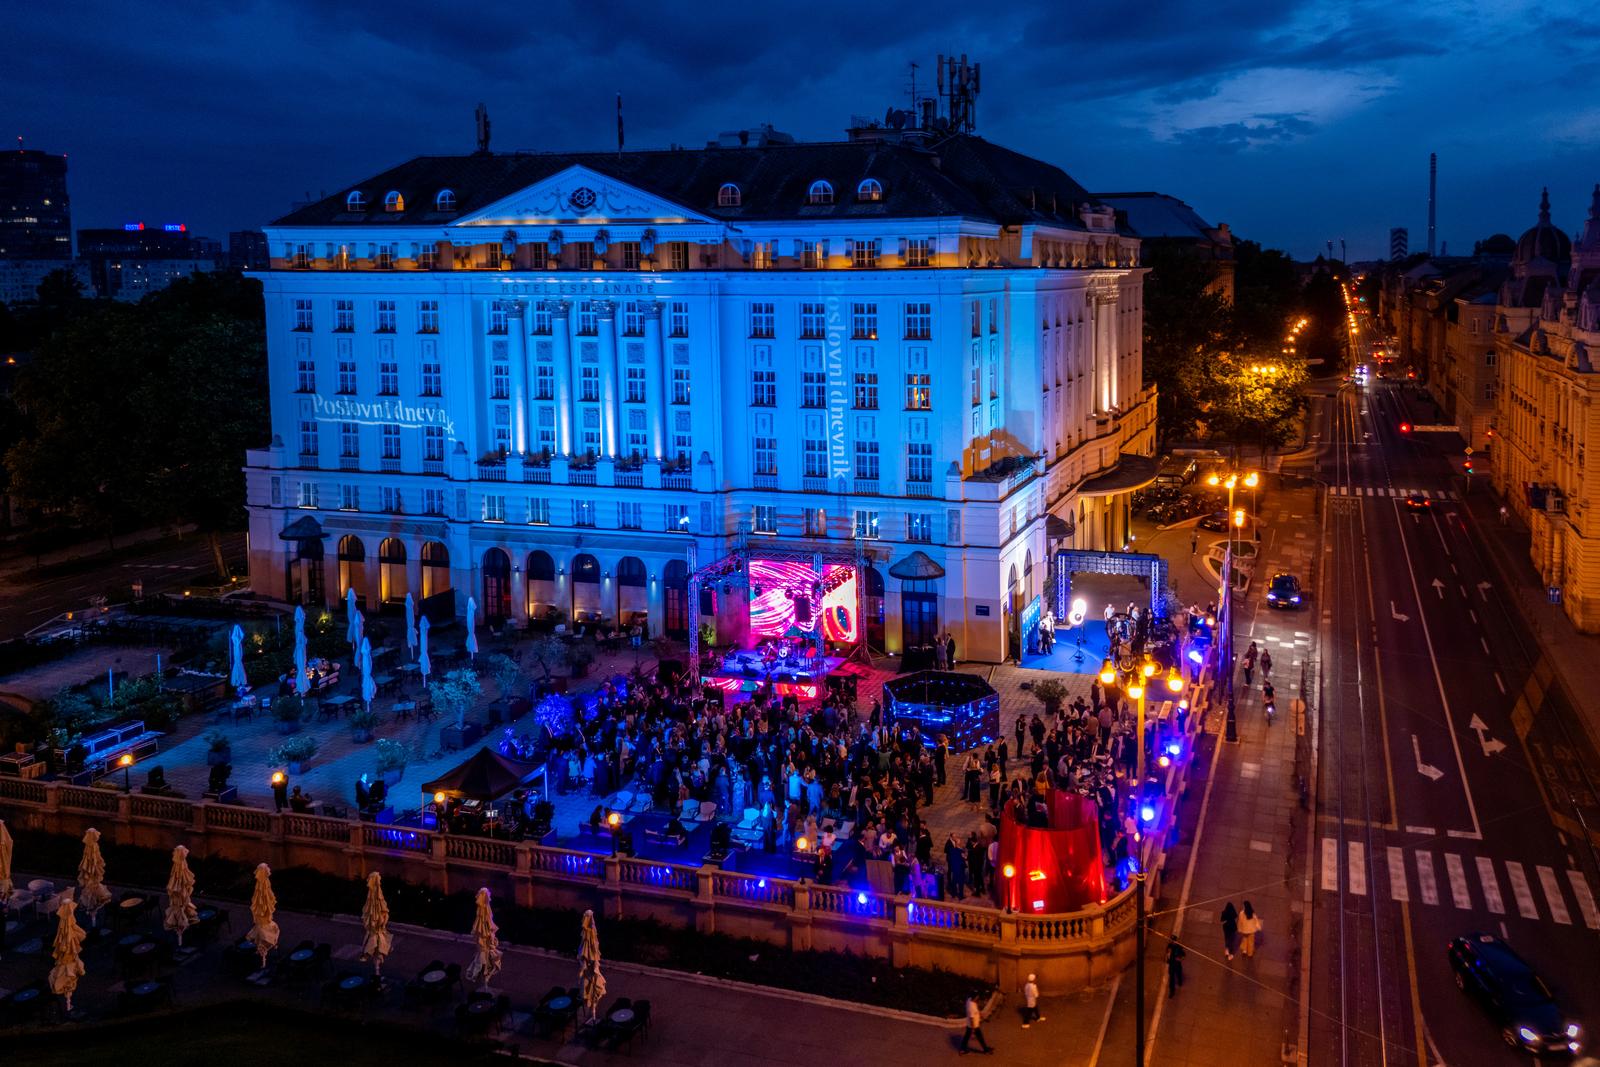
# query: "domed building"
1547,341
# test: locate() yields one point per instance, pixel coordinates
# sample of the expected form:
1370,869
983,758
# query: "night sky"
1295,122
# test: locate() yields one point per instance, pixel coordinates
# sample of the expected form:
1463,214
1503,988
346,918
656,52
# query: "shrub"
1050,691
297,749
217,741
364,720
505,672
287,709
456,692
392,755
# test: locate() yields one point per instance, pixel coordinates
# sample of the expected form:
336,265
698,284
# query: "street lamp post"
126,762
1235,519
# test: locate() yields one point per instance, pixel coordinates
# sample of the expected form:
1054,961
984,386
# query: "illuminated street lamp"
125,761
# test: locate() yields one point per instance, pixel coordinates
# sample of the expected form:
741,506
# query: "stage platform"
746,670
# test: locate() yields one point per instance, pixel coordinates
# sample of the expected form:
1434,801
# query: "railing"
629,479
245,820
922,489
481,850
747,887
389,464
851,902
394,838
491,472
21,790
764,481
532,473
88,799
1052,928
165,809
813,484
656,875
565,864
676,480
585,476
315,827
936,915
865,487
433,466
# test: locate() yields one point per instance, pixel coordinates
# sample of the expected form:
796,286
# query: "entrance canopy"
1131,472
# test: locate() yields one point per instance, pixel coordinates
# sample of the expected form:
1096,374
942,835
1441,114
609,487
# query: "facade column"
516,324
606,316
655,383
566,373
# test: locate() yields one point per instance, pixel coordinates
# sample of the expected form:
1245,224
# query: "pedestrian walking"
1249,927
1030,1002
1175,955
1194,541
1266,665
1250,665
1230,928
974,1028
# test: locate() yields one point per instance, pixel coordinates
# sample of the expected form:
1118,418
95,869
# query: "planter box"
297,766
360,736
453,738
217,759
392,777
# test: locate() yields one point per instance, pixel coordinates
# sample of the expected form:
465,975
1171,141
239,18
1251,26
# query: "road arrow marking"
1483,590
1438,587
1490,745
1398,617
1427,770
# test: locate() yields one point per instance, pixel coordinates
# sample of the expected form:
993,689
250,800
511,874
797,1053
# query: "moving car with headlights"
1418,502
1284,591
1513,995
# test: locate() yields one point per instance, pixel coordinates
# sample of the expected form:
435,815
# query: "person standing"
1175,955
1230,928
1194,541
1249,664
955,856
1249,927
975,863
1266,664
1030,1002
938,654
941,755
974,1027
950,649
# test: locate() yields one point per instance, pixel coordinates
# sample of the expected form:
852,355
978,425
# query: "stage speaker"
784,679
802,611
751,672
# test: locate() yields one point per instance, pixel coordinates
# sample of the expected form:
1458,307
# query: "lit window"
445,201
869,191
729,196
355,201
765,519
393,201
866,524
864,322
918,252
866,391
919,527
820,193
919,395
864,254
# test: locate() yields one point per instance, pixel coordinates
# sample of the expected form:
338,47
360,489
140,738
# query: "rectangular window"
919,462
678,255
433,443
494,508
349,439
427,257
497,316
813,321
390,500
864,254
919,322
864,322
815,454
347,377
632,319
762,319
428,316
633,385
499,382
977,384
814,386
763,388
678,319
977,318
433,501
766,455
815,522
682,450
305,376
919,252
919,392
761,256
583,513
588,319
812,256
866,391
589,383
432,380
764,519
383,257
344,316
386,317
309,443
867,460
302,316
541,318
493,256
994,316
544,382
309,495
636,446
631,258
919,527
389,437
630,516
538,512
677,518
591,443
866,524
680,385
388,379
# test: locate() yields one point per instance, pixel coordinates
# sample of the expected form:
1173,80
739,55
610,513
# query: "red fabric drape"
1054,870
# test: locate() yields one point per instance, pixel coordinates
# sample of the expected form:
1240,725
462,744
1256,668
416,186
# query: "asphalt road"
31,596
1436,817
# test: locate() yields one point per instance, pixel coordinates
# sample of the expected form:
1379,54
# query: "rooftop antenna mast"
481,118
959,83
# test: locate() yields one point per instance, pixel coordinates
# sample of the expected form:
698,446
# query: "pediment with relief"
579,195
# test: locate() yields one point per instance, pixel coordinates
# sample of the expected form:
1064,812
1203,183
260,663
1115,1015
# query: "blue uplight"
1174,747
861,898
1148,813
1195,656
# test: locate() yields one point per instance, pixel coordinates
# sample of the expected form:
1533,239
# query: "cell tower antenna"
481,119
912,67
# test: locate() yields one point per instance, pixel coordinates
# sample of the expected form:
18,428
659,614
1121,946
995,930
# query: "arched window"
729,196
393,201
445,201
356,201
821,193
869,191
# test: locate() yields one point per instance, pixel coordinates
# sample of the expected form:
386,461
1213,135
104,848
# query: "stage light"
277,778
1009,871
1211,620
761,883
1147,813
1184,704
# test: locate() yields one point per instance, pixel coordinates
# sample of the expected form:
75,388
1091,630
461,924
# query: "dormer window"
355,201
821,193
869,191
393,201
729,195
445,201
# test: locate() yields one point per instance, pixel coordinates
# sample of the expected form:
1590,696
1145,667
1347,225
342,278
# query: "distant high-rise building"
128,263
35,216
247,250
1399,242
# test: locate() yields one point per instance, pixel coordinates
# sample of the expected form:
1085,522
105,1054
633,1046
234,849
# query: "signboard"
381,413
1435,427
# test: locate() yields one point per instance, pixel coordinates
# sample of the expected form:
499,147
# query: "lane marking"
1499,683
1421,830
1330,865
1426,885
1520,890
1398,889
1458,881
1482,641
1580,889
1472,613
1490,886
1358,868
1552,896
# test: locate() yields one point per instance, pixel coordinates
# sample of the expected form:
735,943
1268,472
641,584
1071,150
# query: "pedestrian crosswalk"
1391,491
1542,893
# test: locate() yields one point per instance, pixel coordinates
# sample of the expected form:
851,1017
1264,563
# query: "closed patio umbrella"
472,628
411,624
352,628
369,686
375,919
263,903
236,677
92,875
66,950
486,964
591,982
302,684
181,913
423,665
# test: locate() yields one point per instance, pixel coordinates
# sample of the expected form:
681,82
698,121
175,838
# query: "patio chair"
690,812
708,811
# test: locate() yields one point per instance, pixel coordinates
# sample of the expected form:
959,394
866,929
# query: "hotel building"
560,383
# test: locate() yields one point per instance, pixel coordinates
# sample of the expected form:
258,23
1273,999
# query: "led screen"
783,600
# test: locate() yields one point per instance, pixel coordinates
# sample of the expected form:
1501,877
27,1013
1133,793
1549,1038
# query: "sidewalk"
15,560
